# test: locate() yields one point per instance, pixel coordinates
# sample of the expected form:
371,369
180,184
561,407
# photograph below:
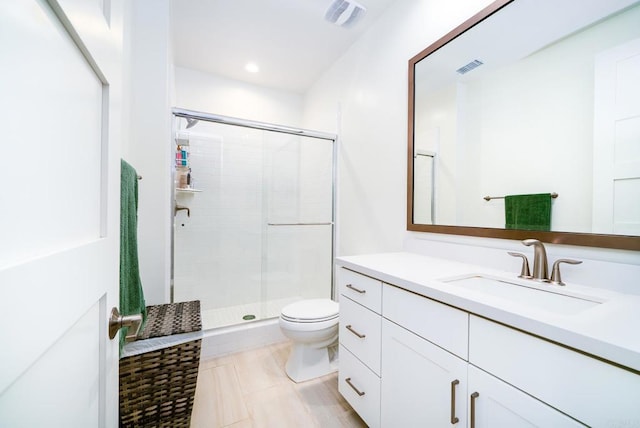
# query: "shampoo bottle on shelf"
181,177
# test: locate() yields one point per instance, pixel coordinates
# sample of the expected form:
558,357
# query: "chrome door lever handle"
117,321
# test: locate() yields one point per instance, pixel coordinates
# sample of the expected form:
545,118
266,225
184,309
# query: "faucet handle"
524,271
555,272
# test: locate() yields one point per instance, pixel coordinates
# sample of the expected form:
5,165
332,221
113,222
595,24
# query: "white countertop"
609,330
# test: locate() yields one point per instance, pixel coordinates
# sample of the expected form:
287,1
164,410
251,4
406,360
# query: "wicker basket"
157,387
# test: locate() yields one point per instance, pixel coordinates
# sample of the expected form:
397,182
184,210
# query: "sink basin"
542,296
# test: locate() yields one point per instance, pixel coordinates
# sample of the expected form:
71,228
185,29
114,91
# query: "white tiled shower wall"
225,253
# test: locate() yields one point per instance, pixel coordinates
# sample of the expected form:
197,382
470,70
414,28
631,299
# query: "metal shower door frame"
192,115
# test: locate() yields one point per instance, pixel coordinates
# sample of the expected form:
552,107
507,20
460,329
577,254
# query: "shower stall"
254,216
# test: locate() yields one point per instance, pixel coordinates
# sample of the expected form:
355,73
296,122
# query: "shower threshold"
242,314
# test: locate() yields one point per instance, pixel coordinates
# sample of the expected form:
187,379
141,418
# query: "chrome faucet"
540,265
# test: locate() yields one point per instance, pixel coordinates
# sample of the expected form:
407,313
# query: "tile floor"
250,390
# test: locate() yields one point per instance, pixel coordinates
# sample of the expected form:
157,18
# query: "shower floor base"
241,314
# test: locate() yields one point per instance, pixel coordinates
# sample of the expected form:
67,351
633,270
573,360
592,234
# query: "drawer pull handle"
356,289
360,393
361,336
454,419
473,409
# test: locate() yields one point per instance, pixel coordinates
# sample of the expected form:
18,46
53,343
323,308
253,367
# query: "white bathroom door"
616,154
60,73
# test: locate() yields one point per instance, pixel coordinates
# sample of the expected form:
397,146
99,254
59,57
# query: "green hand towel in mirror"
528,212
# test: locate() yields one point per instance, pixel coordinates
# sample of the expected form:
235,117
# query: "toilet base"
306,362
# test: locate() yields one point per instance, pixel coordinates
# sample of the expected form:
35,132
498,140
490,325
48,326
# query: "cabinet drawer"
363,289
360,387
360,332
443,325
589,390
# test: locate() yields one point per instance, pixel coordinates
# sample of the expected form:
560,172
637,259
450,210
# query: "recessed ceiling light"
252,67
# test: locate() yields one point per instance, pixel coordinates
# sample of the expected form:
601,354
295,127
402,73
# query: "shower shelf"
178,189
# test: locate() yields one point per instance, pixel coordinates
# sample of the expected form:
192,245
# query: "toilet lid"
311,310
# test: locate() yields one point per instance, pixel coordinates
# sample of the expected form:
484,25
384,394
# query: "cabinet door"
496,404
590,390
422,384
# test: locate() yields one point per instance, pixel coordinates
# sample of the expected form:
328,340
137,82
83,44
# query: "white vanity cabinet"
360,330
422,384
426,378
431,358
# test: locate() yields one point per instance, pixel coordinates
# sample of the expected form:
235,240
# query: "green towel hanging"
131,295
528,212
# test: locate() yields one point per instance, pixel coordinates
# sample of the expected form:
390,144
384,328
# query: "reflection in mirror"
527,104
423,186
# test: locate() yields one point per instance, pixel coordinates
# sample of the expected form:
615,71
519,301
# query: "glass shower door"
298,237
259,233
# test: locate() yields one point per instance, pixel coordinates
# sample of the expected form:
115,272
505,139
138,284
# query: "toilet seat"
311,311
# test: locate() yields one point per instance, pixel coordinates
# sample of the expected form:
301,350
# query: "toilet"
312,326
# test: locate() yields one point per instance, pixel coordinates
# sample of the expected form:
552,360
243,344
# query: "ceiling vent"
467,68
345,13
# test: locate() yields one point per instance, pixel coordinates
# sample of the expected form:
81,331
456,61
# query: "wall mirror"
527,97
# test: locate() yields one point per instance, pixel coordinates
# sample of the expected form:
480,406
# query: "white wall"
196,90
148,148
363,97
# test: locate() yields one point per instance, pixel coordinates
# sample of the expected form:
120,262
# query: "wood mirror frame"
624,242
